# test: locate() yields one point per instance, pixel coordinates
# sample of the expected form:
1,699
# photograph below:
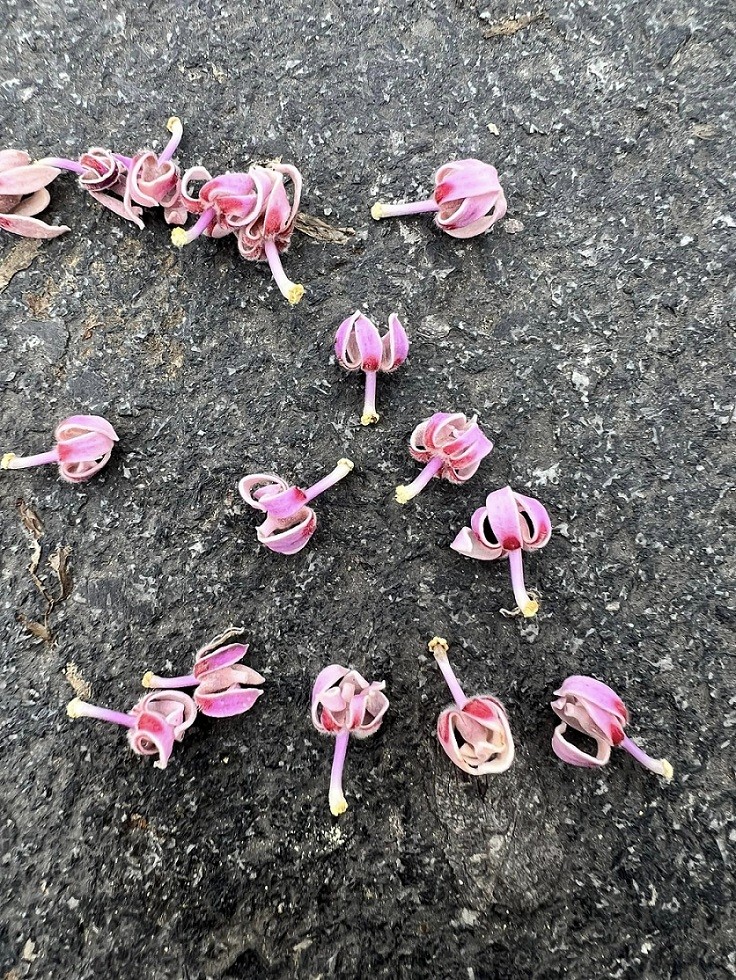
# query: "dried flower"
104,175
289,522
475,733
451,445
468,199
508,524
83,446
255,207
344,703
223,685
23,193
360,347
593,708
154,723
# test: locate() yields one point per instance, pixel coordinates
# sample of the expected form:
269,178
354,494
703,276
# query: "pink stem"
526,604
127,162
23,462
340,472
416,486
205,220
177,130
660,766
452,682
185,680
84,710
369,405
337,797
415,207
61,163
291,290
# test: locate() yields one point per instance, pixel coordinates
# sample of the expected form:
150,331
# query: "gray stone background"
596,344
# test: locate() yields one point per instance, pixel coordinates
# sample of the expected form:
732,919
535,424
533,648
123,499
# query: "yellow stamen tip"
179,238
338,807
377,211
402,495
146,679
439,646
72,709
6,461
348,464
667,770
368,418
174,122
530,608
294,293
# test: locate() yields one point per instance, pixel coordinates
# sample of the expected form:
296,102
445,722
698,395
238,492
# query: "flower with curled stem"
507,525
593,708
360,347
467,200
154,724
154,180
345,704
289,523
23,194
104,175
475,732
223,685
255,207
451,445
83,446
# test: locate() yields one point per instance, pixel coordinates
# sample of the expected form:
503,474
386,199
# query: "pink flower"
154,723
223,684
23,193
155,181
475,733
451,445
83,446
467,197
360,347
593,708
255,207
508,524
344,703
289,522
103,174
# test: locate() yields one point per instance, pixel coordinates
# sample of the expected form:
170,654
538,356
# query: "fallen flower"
508,524
154,723
451,445
83,446
475,734
255,207
360,347
344,703
593,708
467,198
23,194
104,175
223,684
155,181
289,522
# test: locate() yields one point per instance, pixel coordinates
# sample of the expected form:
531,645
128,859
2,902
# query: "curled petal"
257,488
287,537
326,679
358,344
34,204
574,756
504,520
175,707
395,345
596,692
477,737
152,736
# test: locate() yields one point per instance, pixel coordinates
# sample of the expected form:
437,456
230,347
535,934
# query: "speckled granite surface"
593,334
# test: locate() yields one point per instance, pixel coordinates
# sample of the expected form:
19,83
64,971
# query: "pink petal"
84,448
224,656
10,159
26,180
288,540
119,207
574,756
326,679
77,425
30,227
227,703
538,517
589,689
39,200
395,345
256,488
503,516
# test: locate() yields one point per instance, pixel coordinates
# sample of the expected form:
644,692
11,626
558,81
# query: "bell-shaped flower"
155,180
360,347
508,524
467,200
451,445
475,732
104,175
255,207
154,724
593,708
344,703
83,446
23,194
223,685
289,523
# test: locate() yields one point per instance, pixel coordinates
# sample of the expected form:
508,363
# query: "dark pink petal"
395,345
224,656
226,704
504,518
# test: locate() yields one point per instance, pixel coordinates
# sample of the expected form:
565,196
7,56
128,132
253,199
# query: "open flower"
154,723
103,174
155,180
474,733
593,708
451,445
255,207
508,524
468,199
83,446
23,194
360,347
289,523
344,703
223,684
